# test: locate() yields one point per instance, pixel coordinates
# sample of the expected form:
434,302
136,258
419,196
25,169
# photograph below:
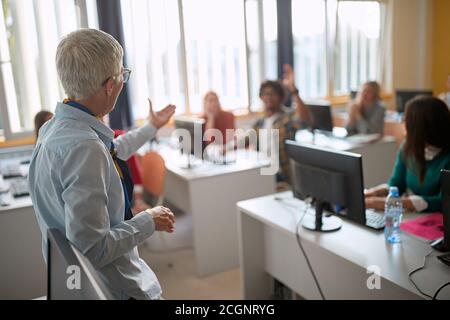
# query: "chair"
153,173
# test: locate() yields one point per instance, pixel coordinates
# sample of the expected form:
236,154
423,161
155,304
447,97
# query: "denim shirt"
75,188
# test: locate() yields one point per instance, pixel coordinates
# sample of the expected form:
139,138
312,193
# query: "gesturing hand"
160,118
163,218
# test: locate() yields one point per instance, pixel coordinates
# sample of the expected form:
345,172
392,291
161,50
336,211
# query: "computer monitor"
445,189
64,261
321,116
328,176
404,96
192,144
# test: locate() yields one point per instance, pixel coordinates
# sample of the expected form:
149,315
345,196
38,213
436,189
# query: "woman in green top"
424,154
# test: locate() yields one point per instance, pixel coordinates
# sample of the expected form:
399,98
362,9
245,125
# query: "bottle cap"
393,191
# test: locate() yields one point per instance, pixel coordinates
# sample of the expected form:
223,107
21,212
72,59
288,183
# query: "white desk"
210,192
268,248
378,157
23,273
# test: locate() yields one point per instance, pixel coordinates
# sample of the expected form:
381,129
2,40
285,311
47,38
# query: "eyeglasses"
125,76
126,73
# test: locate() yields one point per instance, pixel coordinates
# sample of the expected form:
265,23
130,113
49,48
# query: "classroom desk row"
208,191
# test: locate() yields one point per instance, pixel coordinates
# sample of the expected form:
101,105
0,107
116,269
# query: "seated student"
39,119
366,112
277,116
445,96
424,154
215,117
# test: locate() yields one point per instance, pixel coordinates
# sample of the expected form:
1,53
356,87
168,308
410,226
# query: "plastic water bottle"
393,211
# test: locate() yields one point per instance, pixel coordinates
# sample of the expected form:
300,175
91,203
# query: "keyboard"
11,171
19,188
374,219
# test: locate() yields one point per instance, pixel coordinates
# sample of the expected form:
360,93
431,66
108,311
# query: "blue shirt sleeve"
127,144
85,179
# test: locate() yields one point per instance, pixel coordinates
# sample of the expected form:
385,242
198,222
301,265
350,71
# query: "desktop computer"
194,147
402,97
191,139
353,94
64,261
322,119
443,244
334,179
445,189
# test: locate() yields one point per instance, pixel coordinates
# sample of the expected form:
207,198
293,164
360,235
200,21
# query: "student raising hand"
289,82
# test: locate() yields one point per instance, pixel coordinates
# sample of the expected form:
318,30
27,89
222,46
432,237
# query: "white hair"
85,59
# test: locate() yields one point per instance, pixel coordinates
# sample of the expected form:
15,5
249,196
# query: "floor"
171,257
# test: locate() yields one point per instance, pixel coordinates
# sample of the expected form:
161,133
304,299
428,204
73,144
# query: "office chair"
153,171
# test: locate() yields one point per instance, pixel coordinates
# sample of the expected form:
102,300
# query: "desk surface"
244,160
342,144
358,244
17,203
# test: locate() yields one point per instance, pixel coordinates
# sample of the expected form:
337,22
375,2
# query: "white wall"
412,44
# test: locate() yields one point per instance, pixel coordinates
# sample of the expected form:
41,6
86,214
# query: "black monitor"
194,144
330,177
445,189
402,97
64,264
321,116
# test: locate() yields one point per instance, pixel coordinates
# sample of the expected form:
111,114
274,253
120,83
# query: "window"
336,45
309,33
178,52
215,52
153,52
261,26
358,36
29,34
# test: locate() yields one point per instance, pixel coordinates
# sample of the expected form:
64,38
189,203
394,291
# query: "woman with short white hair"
75,182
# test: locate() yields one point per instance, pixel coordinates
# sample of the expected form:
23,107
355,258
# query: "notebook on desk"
429,227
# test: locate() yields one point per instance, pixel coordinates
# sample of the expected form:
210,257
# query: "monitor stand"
190,163
439,245
320,222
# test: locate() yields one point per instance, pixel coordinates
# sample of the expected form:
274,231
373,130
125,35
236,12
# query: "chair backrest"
70,275
153,173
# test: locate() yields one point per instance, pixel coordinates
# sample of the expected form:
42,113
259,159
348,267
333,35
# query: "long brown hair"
39,119
427,123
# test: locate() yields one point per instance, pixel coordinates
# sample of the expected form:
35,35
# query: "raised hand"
289,78
160,118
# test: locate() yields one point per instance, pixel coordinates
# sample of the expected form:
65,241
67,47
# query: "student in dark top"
424,154
216,118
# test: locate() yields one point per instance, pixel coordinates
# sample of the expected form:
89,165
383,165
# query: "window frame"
86,16
330,33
